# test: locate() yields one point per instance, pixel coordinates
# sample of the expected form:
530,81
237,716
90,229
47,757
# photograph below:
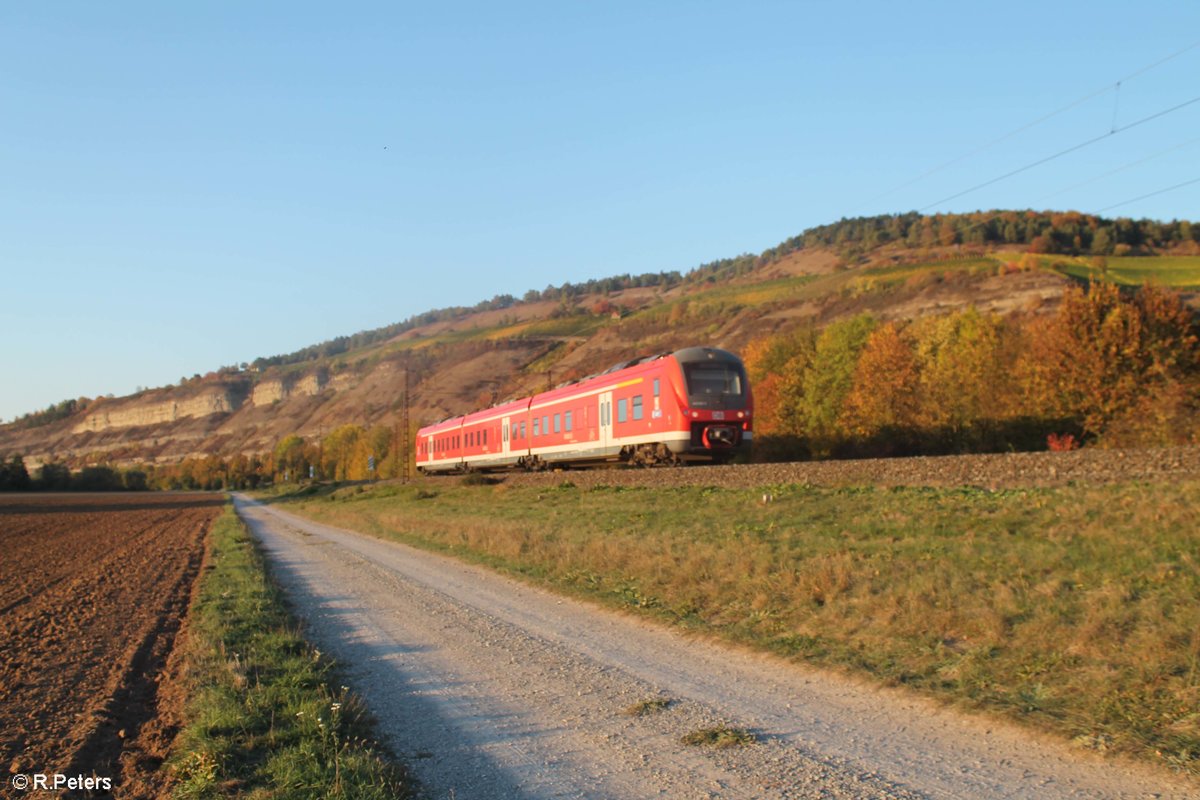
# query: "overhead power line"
1150,194
1121,168
1021,129
1061,153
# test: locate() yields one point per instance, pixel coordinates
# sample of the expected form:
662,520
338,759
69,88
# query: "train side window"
545,424
558,423
485,437
623,410
522,429
637,406
537,426
567,421
656,387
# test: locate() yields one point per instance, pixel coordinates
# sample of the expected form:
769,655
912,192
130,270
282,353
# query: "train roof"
690,354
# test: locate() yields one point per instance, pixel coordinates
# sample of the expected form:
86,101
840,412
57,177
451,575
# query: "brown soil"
93,590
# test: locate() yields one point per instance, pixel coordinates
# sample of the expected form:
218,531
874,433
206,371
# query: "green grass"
1070,609
266,716
1174,272
1171,272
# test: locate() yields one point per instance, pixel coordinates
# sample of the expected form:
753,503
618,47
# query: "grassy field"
1171,272
1071,609
266,716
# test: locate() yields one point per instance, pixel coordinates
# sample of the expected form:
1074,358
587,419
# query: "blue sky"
189,185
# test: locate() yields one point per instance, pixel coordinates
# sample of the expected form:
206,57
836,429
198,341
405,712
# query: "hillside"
454,360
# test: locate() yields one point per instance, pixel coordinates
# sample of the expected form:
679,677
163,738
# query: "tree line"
1067,232
348,453
52,413
54,476
1108,367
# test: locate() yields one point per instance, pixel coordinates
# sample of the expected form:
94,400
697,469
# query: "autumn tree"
828,378
292,457
776,366
964,374
338,450
1102,353
884,391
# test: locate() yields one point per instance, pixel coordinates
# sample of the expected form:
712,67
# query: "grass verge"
1070,609
266,716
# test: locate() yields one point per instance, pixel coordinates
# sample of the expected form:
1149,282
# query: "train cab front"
719,404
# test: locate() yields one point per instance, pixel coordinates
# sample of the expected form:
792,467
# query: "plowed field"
93,589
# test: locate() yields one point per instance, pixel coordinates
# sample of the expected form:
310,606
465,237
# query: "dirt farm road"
494,689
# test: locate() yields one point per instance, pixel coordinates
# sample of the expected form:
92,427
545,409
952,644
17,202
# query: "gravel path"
494,689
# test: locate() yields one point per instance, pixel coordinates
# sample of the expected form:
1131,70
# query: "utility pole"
404,424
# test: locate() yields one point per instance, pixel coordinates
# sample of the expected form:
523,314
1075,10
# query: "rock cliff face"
137,412
249,413
273,390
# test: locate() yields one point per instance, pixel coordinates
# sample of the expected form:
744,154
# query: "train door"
504,436
605,419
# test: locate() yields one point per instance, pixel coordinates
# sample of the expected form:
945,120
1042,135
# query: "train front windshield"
715,384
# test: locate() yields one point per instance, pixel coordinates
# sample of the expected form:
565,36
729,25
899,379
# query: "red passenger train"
690,405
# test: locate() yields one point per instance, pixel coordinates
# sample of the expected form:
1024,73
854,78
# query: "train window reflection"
713,379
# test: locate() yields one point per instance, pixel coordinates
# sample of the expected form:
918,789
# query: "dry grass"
647,707
720,737
1071,609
